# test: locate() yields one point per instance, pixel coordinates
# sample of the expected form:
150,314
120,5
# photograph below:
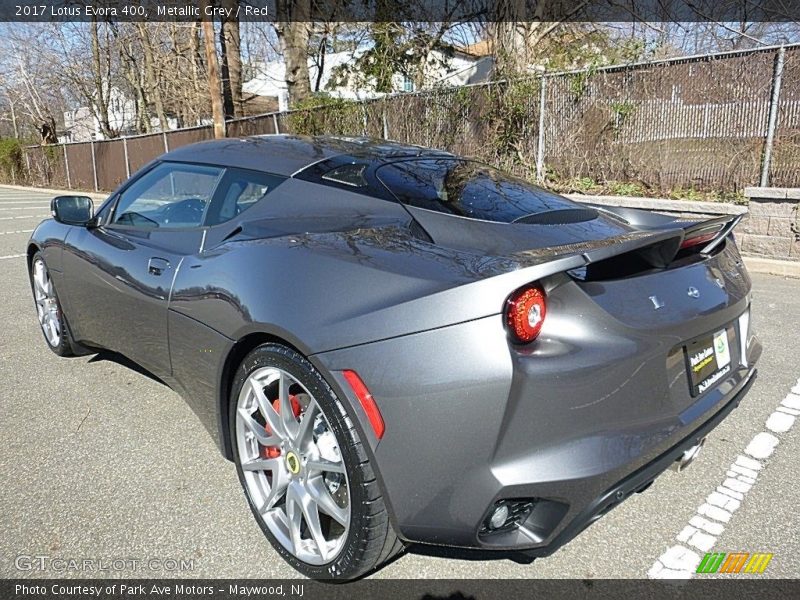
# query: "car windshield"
471,189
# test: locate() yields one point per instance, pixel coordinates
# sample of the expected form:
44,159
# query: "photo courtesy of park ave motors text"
466,294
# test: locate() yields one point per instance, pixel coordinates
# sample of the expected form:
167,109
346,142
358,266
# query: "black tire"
64,345
371,540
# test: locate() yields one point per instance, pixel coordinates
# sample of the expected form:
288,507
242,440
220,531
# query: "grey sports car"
398,345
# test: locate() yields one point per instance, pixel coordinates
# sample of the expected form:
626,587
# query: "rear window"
471,189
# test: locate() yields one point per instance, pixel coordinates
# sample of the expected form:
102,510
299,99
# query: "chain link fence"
707,123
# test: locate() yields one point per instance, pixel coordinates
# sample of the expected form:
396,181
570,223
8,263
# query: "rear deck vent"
562,216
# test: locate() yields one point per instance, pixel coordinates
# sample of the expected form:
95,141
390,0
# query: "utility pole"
540,143
774,106
214,87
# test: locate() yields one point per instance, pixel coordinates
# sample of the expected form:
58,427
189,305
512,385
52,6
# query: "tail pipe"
687,458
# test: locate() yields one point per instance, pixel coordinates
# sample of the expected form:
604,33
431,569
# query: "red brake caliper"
275,451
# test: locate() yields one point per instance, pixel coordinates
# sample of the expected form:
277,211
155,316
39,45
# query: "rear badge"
693,292
656,302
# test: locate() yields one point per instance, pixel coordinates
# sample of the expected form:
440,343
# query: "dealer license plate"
708,360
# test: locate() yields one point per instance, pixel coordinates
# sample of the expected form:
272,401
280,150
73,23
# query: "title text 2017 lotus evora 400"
398,345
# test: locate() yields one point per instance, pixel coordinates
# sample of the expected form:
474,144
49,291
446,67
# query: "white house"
270,79
460,68
81,124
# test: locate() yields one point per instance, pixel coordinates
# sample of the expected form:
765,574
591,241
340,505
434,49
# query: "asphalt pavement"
100,463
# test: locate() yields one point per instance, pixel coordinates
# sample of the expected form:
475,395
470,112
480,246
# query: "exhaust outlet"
685,459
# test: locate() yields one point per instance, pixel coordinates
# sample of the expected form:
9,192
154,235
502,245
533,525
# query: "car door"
118,275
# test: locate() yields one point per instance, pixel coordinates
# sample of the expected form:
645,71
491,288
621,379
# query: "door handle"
156,266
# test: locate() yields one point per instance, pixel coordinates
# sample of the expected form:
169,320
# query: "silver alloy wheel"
46,303
293,469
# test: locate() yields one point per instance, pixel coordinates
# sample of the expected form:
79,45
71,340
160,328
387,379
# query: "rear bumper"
639,479
459,440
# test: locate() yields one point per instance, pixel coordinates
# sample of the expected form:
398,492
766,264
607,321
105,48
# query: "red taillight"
367,402
698,239
525,312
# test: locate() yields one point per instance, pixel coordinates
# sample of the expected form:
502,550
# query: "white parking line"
32,201
12,256
18,231
24,198
25,217
37,206
681,560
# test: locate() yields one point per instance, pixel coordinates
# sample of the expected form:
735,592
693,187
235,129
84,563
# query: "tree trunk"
231,63
293,36
213,75
14,118
194,55
227,95
142,110
320,66
193,90
48,131
101,84
508,36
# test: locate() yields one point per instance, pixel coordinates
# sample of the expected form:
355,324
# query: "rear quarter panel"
602,391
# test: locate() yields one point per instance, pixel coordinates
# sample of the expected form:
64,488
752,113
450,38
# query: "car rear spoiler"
655,247
713,231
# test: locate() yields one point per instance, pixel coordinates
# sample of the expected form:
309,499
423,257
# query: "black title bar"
722,11
397,589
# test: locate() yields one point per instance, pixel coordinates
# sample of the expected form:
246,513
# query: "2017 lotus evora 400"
399,345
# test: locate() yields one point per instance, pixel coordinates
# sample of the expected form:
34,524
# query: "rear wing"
659,243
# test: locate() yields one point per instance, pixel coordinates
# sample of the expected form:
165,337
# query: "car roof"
288,155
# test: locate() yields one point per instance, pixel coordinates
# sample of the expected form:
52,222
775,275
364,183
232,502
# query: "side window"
239,191
171,195
352,175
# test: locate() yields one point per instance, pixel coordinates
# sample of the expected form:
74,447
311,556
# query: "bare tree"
12,114
516,37
25,79
151,73
134,74
186,91
88,83
214,86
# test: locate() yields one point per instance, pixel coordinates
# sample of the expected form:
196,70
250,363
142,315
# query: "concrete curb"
771,266
773,193
55,192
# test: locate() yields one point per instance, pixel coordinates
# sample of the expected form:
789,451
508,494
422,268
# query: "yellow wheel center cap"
292,463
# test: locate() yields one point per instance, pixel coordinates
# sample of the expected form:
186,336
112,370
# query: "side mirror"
73,210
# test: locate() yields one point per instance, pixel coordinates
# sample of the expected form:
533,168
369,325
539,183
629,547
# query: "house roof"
479,49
